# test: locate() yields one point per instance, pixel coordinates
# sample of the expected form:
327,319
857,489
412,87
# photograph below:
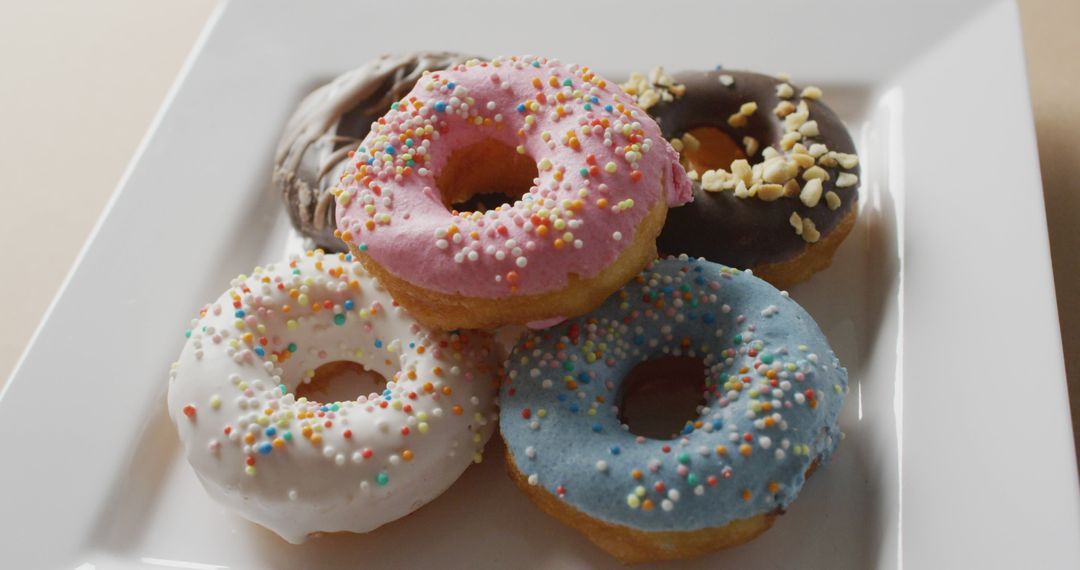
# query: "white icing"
330,485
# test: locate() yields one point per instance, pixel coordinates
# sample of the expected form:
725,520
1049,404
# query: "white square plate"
958,449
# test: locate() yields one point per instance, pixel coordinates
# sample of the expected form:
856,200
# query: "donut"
586,176
771,390
297,466
328,124
776,176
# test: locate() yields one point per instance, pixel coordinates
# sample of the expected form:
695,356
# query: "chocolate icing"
330,122
746,232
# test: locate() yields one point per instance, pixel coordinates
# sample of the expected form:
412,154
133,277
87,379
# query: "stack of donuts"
455,202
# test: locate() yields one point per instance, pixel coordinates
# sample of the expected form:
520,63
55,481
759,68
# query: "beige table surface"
82,81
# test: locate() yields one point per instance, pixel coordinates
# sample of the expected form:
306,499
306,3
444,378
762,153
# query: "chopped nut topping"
713,180
690,142
784,76
740,190
809,129
846,179
802,159
815,173
809,232
784,108
847,161
811,192
658,77
789,139
770,192
832,199
635,84
747,109
741,170
777,170
751,145
692,174
649,98
796,222
829,160
791,188
796,167
793,121
793,167
648,91
811,92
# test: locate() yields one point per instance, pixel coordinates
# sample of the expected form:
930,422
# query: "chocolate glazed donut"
773,218
330,122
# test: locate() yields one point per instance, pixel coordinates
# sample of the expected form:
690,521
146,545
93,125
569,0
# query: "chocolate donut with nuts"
776,175
328,124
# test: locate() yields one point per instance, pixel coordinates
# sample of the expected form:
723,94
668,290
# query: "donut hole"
484,176
340,381
659,396
715,150
484,201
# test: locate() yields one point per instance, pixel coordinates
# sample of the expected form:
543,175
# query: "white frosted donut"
296,466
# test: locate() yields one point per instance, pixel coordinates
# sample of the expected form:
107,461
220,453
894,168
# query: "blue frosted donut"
773,389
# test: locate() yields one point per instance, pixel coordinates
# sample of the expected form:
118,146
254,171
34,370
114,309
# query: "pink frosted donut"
588,172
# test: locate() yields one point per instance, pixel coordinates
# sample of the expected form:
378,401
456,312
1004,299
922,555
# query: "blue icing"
581,452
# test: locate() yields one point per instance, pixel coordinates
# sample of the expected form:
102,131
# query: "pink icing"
594,187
